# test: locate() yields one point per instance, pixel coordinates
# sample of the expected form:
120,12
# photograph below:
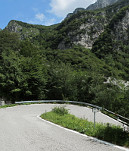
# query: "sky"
43,12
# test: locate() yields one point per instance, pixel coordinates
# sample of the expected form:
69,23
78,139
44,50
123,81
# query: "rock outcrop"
88,30
23,29
88,25
101,4
75,12
115,38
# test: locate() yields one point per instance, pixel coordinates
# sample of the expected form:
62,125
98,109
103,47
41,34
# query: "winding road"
21,129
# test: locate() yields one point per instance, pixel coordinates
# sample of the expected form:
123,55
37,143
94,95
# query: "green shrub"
61,110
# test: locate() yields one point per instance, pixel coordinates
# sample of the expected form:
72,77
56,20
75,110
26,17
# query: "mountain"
101,4
105,32
97,5
83,27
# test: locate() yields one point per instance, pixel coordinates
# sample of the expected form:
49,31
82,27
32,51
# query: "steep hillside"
115,35
113,44
80,28
85,27
105,31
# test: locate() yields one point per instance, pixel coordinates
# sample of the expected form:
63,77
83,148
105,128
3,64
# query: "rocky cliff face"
13,26
24,32
97,5
101,4
120,33
91,26
115,38
122,29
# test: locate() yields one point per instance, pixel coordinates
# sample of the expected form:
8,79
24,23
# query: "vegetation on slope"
29,73
114,50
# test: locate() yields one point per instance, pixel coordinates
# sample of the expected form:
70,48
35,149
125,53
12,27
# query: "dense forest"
32,68
30,73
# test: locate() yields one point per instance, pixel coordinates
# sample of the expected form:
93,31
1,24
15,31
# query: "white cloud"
50,22
40,16
42,20
62,7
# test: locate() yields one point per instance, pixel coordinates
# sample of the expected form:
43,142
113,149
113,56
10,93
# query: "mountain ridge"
97,5
101,4
83,27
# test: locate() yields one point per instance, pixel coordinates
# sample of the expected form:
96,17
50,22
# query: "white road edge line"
92,138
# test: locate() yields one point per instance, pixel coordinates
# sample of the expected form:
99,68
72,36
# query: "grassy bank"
112,134
9,105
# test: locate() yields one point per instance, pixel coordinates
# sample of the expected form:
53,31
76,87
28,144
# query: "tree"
22,73
60,82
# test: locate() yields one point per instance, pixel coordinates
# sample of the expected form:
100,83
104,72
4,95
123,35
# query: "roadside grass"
9,105
12,105
112,134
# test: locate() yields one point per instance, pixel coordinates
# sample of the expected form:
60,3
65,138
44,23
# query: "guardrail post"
95,110
94,119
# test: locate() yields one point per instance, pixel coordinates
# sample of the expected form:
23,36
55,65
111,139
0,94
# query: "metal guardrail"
121,118
60,101
116,114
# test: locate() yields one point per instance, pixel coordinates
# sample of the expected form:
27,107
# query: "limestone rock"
21,29
101,4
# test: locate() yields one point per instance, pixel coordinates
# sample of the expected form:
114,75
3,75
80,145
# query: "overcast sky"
43,12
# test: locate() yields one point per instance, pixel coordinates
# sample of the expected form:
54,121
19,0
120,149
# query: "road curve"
22,130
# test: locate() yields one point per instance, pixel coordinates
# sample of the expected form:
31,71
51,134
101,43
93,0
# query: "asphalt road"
22,130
